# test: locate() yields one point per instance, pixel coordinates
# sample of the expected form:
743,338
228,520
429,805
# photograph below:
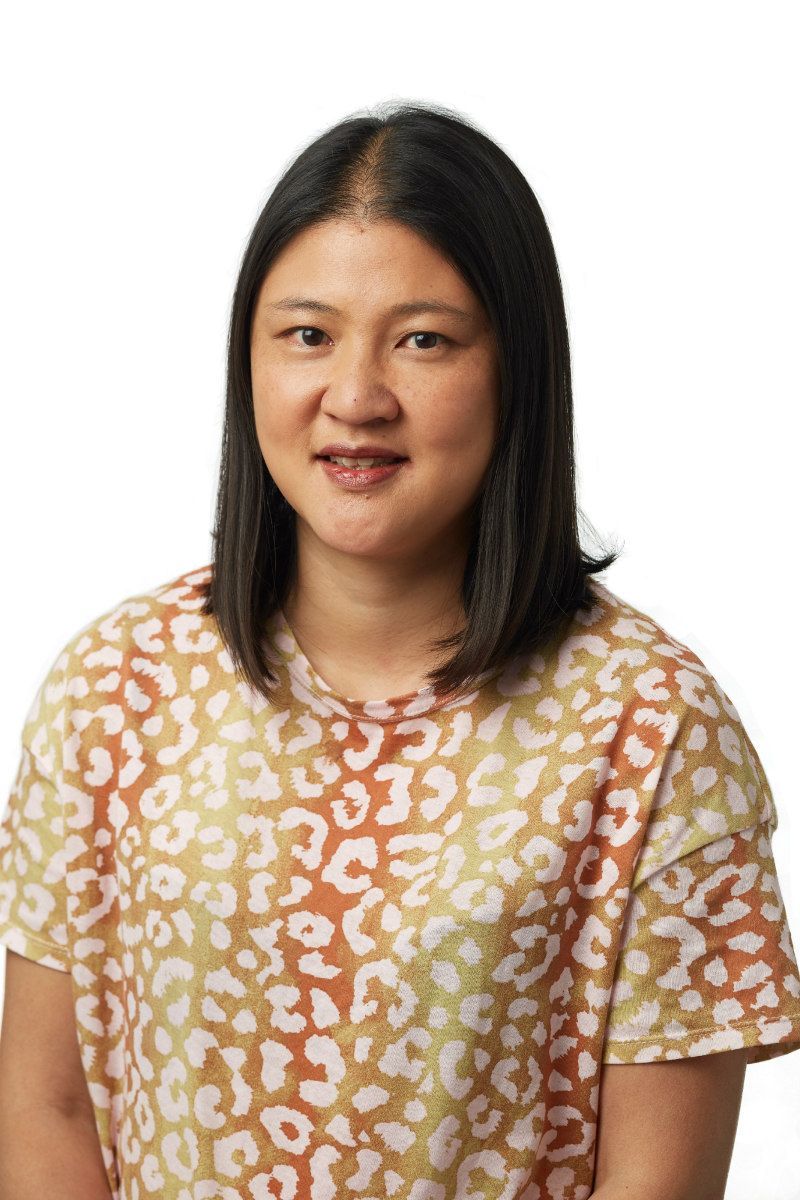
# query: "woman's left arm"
666,1129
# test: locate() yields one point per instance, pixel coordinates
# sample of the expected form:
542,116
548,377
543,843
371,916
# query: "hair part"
526,573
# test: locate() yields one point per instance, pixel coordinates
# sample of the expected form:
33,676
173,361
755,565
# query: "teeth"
361,462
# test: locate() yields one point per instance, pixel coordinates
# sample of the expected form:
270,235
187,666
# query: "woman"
391,853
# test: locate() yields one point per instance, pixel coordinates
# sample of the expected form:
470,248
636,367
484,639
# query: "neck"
365,625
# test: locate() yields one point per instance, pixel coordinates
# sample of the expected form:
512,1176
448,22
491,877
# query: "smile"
359,478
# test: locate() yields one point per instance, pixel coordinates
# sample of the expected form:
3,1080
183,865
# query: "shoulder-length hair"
525,573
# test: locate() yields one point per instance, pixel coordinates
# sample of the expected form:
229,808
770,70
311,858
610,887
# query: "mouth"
363,463
364,473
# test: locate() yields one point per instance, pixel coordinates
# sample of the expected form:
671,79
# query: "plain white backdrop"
139,145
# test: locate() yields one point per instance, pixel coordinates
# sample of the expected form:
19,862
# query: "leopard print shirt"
330,948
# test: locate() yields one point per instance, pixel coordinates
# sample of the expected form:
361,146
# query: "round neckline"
393,708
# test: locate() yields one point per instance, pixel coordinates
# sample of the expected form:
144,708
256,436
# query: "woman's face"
332,363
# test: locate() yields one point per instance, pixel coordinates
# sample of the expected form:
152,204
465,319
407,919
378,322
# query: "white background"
139,144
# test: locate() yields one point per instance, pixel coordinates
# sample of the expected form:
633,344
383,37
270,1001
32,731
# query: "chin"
356,549
357,544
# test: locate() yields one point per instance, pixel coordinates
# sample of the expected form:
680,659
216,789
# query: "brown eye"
441,337
303,330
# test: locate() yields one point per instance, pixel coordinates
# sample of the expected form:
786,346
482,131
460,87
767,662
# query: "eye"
424,334
302,329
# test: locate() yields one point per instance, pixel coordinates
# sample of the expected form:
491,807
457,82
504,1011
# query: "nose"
357,391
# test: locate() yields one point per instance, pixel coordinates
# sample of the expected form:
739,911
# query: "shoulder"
165,620
154,637
623,629
630,656
655,675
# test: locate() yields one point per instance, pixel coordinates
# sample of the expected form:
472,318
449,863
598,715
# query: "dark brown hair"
432,169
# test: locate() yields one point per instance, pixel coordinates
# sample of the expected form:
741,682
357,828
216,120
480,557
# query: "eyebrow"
411,308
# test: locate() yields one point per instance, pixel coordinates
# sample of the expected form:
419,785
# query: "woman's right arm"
49,1144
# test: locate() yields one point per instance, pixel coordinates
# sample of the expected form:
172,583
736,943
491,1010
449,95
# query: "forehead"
343,264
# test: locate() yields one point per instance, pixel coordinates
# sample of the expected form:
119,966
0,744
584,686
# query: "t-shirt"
322,947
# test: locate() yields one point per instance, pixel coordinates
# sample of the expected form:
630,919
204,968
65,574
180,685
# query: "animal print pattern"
328,948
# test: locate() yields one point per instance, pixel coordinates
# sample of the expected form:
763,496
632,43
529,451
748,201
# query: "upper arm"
40,1063
667,1128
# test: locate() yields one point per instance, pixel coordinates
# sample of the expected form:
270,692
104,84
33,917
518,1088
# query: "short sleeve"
33,894
706,960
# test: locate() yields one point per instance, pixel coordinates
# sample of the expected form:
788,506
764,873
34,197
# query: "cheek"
463,423
276,412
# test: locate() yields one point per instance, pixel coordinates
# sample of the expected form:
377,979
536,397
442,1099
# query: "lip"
352,479
343,451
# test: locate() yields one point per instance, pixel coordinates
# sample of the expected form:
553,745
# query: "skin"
379,571
666,1130
49,1143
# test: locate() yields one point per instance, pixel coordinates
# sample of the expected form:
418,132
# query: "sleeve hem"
29,946
765,1038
